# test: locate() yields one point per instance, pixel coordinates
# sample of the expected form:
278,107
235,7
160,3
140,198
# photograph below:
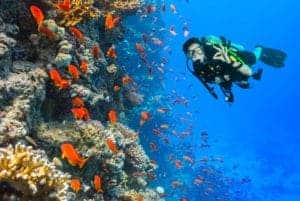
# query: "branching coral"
80,10
126,5
30,173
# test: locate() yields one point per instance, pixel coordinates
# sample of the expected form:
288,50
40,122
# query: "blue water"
256,138
259,132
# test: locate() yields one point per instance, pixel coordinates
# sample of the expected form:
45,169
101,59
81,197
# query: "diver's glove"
272,57
221,54
257,75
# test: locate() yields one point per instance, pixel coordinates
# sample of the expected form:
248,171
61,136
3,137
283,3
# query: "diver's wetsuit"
210,69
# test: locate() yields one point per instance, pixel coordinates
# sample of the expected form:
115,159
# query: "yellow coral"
126,5
80,9
130,195
28,171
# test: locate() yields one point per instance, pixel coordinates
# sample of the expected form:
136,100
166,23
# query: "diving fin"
272,57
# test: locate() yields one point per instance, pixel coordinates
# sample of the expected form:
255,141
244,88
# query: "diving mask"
195,52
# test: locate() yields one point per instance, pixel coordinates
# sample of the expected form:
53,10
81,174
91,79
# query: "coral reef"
126,5
112,68
79,10
29,172
52,30
63,57
116,169
21,96
6,43
36,92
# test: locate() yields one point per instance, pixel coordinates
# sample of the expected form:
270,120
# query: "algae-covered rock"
21,96
51,30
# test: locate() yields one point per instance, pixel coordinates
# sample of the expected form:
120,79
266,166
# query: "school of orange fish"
81,112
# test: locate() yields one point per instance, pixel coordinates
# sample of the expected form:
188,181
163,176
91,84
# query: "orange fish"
37,14
64,84
96,51
198,180
84,66
140,49
112,145
47,32
139,197
70,153
144,117
98,184
150,8
151,175
64,6
77,33
117,88
176,184
111,22
188,159
138,174
162,110
178,164
57,80
153,146
55,76
75,185
154,162
73,71
81,113
126,79
112,116
111,53
77,102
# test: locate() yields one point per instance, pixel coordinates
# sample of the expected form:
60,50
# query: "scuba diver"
217,60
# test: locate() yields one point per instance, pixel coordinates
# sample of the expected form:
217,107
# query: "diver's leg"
247,72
